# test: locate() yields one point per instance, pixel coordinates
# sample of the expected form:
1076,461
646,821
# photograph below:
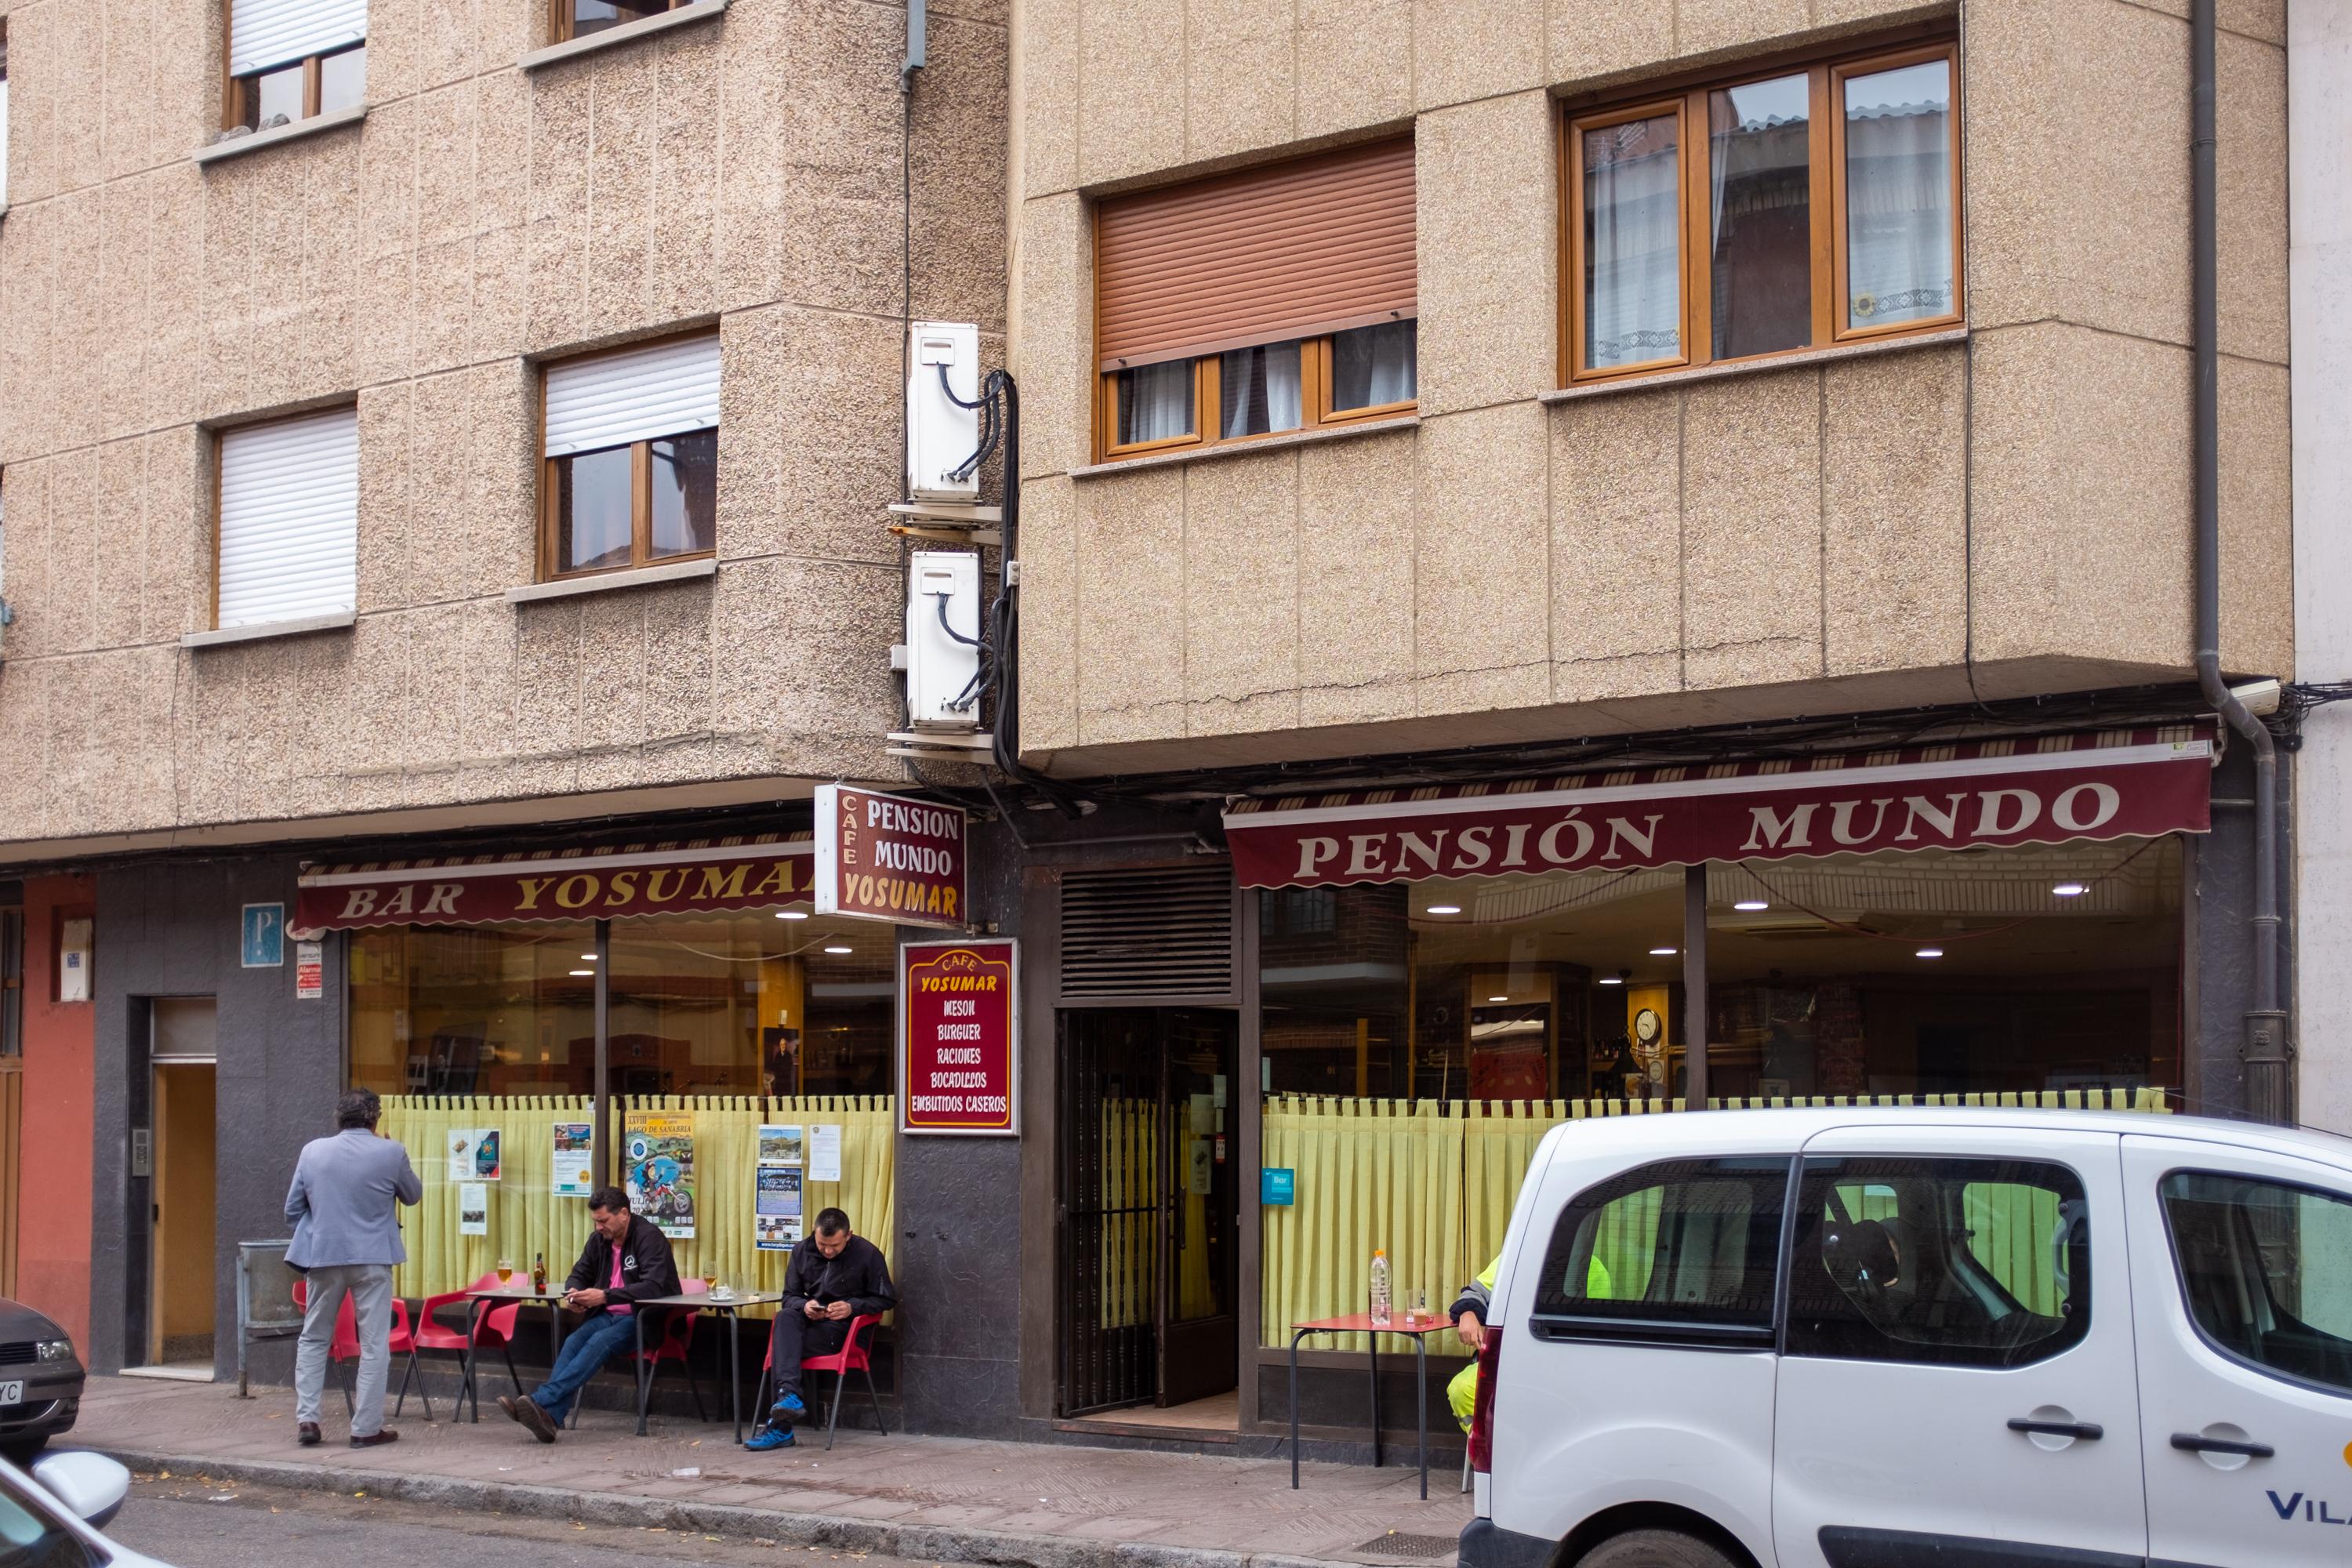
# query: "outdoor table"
728,1307
481,1301
1361,1324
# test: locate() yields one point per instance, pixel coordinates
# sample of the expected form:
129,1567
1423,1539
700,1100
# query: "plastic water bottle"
1381,1288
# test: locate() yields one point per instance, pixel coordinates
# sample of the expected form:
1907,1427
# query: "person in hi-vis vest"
1469,1314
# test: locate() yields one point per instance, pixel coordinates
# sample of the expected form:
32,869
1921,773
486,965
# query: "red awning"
2045,790
699,875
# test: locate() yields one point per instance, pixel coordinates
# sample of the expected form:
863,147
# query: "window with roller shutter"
631,444
289,502
292,60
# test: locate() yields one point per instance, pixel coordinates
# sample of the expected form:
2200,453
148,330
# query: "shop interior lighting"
1661,952
836,950
1930,952
586,973
587,958
1750,906
1611,980
1442,909
791,914
2070,890
1498,998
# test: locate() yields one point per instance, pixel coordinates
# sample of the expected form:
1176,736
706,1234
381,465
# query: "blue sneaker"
787,1407
770,1438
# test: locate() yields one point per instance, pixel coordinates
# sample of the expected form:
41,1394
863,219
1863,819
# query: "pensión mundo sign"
886,858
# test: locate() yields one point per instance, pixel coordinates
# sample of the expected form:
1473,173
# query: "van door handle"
2088,1431
2191,1443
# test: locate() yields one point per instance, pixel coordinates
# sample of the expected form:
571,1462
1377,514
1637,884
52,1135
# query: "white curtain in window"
1155,403
289,510
1374,366
1260,390
1898,185
1632,244
611,400
266,33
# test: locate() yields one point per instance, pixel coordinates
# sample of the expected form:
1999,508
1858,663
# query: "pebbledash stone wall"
743,171
2005,514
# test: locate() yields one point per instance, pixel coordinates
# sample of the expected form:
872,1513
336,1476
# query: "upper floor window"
579,18
1809,206
289,510
1249,304
632,442
290,60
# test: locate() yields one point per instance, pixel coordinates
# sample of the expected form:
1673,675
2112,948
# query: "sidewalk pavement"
939,1499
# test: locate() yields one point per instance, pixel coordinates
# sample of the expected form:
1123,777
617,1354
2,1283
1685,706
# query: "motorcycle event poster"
660,1150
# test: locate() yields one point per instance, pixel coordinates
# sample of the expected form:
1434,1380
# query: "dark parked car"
40,1381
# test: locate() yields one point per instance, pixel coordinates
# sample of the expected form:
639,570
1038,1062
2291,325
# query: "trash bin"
265,1301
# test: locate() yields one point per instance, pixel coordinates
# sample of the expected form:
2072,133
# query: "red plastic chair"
855,1355
496,1327
346,1347
677,1340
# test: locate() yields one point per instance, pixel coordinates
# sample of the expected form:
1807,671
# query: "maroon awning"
2045,790
699,875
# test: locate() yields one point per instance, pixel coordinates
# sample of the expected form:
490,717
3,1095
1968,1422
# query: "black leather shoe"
376,1440
307,1434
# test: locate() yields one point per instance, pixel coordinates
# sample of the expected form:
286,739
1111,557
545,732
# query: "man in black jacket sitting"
833,1278
626,1261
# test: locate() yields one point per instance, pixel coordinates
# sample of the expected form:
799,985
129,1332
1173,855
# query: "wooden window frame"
237,105
641,488
1826,145
561,19
1315,409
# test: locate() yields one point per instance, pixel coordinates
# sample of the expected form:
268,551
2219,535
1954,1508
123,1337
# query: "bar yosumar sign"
886,857
959,1038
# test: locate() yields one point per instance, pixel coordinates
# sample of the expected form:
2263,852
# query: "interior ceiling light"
1442,909
587,958
1498,998
1611,980
1930,952
2070,890
1661,952
791,914
1750,906
588,972
836,950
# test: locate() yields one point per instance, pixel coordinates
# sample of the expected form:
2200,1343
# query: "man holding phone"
628,1260
833,1278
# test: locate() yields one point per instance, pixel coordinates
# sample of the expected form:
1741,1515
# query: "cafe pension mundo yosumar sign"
959,1038
886,858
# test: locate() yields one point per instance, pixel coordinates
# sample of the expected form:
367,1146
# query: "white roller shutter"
614,399
266,33
289,510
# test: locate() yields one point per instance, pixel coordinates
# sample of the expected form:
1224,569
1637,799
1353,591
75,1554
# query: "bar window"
1275,300
583,18
1813,206
632,457
291,59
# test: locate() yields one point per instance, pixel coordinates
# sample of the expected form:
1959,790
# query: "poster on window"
473,1153
659,1146
824,1154
782,1145
776,1208
574,1150
473,1208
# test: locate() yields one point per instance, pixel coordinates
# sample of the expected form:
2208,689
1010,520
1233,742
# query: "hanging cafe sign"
2046,790
698,875
886,858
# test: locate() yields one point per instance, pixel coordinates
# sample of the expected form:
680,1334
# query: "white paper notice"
473,1208
572,1152
825,1152
474,1154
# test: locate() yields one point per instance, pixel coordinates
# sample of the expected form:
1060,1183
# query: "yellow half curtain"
526,1218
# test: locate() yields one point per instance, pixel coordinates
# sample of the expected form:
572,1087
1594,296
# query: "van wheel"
1654,1549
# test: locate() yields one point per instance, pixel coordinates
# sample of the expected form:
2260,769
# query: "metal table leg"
1373,1340
734,1321
1421,1392
645,1385
1294,1405
472,1330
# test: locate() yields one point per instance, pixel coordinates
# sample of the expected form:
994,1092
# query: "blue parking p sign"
1277,1184
264,936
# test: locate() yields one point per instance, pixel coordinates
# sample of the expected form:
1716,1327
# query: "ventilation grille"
1149,933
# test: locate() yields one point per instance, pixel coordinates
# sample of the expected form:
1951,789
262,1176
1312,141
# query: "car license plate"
12,1392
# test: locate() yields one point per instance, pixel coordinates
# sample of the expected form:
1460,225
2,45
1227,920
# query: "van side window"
1959,1262
2266,1269
1683,1251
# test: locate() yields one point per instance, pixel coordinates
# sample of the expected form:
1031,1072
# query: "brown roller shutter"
1316,245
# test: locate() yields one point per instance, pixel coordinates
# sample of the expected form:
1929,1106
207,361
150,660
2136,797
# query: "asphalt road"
192,1526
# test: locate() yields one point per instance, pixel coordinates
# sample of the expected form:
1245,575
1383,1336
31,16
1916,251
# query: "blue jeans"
586,1349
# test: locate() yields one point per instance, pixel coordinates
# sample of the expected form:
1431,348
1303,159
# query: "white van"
1858,1337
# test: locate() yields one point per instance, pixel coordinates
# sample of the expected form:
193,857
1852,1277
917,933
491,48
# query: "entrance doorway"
183,1242
1148,1191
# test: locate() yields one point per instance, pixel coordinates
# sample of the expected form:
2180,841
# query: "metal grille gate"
1111,1179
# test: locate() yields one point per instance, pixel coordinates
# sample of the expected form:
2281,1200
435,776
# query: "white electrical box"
942,609
73,960
941,436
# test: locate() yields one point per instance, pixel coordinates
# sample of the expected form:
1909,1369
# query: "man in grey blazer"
345,1205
